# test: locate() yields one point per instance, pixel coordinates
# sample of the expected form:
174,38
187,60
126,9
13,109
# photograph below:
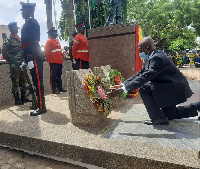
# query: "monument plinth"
115,46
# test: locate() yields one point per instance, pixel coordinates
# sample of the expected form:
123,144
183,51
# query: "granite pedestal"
115,46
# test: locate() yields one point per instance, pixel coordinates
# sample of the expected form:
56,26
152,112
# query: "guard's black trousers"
55,76
37,78
81,64
171,112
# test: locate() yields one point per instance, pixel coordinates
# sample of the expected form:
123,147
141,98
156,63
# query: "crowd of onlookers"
183,58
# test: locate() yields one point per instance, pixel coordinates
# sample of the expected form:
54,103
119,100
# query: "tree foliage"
195,17
66,23
99,14
167,21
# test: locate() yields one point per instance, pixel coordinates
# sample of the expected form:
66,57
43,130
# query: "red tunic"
80,49
51,55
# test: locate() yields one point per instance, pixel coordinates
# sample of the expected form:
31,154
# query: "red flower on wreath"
86,88
117,79
96,104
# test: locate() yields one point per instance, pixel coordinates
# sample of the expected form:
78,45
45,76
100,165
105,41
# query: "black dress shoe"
157,122
55,92
62,90
38,112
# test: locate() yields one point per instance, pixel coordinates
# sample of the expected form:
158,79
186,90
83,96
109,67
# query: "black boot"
17,99
118,20
110,20
39,110
23,96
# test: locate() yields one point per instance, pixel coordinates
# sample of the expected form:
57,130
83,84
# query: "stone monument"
115,46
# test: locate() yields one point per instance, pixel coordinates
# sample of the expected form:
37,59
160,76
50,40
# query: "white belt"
57,50
82,50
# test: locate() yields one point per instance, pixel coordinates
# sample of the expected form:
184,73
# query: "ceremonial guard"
80,49
33,55
54,56
12,53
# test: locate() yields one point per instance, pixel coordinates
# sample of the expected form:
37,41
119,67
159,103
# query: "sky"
10,12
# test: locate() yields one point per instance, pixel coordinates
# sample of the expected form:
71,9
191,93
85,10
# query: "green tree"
195,17
164,20
66,23
183,42
99,14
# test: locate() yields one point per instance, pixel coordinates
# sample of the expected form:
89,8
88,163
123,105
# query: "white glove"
22,65
30,65
74,62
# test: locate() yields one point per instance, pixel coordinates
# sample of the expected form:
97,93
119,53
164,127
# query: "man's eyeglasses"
144,48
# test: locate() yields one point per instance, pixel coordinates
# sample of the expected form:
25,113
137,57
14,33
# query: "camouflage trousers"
116,7
18,79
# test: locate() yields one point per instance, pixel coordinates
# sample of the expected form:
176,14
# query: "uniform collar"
152,54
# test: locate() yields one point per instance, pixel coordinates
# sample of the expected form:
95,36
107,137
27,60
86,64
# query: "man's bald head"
146,45
146,42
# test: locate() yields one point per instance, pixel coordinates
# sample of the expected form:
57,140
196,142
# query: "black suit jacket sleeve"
155,67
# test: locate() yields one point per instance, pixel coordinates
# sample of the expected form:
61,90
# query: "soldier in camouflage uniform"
12,52
115,9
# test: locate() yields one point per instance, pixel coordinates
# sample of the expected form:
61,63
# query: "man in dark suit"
162,87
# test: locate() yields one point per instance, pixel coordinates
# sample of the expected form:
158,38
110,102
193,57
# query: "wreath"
116,79
98,89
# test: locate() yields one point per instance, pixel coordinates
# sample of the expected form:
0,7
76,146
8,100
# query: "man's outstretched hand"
115,90
117,86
